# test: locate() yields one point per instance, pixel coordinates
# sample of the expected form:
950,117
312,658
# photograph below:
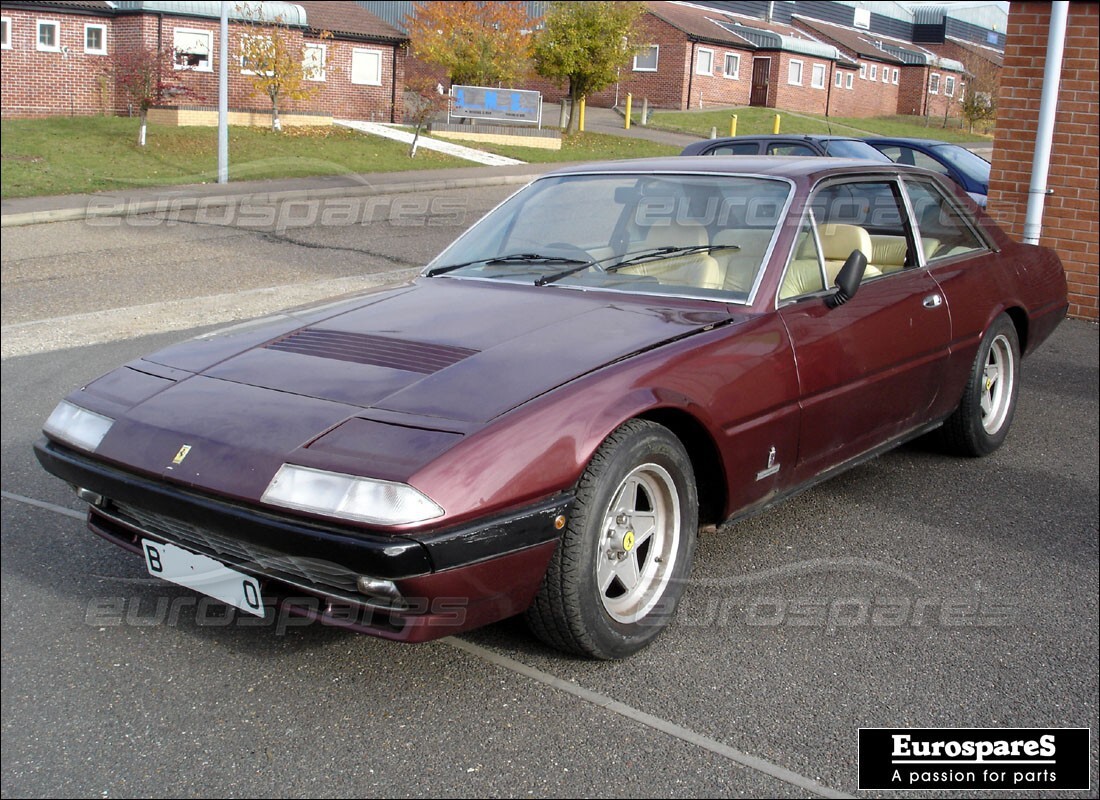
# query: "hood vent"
379,351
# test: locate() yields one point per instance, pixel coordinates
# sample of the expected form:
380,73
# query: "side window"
737,149
868,216
805,273
944,231
790,150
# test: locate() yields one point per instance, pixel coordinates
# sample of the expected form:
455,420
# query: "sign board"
500,105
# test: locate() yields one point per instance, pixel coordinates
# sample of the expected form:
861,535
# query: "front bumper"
450,580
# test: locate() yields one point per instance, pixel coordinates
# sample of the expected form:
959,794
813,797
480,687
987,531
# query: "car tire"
980,423
614,582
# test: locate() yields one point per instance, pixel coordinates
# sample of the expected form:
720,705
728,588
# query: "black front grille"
308,573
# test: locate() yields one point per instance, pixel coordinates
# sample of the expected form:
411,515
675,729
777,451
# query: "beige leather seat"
697,270
890,251
740,266
838,240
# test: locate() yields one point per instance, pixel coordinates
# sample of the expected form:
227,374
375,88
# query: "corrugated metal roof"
290,14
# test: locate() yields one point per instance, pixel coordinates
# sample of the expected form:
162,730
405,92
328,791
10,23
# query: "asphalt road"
917,590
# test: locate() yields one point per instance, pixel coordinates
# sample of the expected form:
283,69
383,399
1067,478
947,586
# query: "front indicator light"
351,497
78,426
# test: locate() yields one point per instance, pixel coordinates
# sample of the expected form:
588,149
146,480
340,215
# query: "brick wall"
39,83
1070,221
783,95
35,83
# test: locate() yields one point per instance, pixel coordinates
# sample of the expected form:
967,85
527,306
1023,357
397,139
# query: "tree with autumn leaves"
281,67
587,44
147,77
476,43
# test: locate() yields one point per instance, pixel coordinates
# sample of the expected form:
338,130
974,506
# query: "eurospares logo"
1020,759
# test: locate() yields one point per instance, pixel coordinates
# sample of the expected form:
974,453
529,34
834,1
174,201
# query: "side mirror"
848,279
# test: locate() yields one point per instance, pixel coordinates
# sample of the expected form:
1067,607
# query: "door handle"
933,301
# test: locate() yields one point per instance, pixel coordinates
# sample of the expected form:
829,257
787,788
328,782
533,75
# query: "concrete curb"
96,207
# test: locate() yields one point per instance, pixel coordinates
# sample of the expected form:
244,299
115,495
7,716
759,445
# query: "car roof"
771,166
905,140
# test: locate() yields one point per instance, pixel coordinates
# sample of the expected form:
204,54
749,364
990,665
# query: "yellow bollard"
775,127
733,125
580,118
629,100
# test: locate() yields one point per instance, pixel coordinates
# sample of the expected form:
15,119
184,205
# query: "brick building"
55,55
1071,220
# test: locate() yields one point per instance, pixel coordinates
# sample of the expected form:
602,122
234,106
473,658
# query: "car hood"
455,349
377,385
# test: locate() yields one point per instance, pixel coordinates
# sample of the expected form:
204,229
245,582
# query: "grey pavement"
60,208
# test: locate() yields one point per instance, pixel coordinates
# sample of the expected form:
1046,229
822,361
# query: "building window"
95,40
848,80
366,67
862,71
895,77
862,18
817,76
794,73
49,37
934,83
646,61
261,50
193,49
874,72
838,79
732,66
949,86
704,62
885,74
314,57
5,32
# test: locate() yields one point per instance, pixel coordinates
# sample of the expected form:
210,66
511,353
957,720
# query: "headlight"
349,496
78,426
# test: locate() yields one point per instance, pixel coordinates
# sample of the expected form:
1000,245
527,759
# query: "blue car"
964,167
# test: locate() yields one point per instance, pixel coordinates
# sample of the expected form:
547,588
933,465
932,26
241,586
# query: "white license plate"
203,574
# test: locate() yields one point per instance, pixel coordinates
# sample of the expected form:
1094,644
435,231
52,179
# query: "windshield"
973,166
681,234
852,148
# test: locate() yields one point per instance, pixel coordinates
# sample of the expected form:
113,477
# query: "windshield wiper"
514,258
657,253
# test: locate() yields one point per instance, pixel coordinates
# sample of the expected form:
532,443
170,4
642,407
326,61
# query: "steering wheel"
573,251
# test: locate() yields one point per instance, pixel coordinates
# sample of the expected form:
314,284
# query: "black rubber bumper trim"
387,556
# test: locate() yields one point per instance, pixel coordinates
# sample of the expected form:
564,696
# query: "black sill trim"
387,556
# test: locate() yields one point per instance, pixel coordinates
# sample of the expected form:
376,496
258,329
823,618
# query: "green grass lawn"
755,121
90,154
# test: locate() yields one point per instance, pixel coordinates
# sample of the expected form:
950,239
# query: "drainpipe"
393,87
691,75
1044,134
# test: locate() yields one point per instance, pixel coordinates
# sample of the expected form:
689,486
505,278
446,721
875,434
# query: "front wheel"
618,573
981,422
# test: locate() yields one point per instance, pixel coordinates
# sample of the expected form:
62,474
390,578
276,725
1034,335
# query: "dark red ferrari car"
541,422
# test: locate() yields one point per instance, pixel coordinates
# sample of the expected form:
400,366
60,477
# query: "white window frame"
874,72
934,83
885,74
862,18
849,80
653,49
862,71
310,74
838,79
369,51
736,74
949,86
894,77
790,71
209,67
100,51
5,40
56,46
814,83
710,56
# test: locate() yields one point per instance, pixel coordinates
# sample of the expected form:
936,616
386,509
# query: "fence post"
733,124
629,103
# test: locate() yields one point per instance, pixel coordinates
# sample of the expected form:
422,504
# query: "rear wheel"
981,422
616,577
